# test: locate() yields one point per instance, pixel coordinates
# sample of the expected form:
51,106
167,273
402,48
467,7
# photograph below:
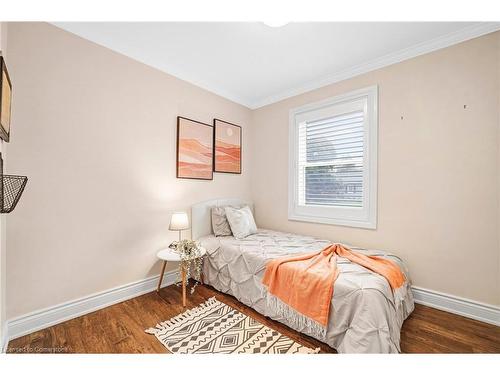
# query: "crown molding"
217,90
444,41
467,33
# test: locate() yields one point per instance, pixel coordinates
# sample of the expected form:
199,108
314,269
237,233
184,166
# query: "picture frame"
194,149
5,101
1,180
227,147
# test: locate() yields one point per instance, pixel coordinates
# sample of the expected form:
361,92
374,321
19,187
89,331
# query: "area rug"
214,327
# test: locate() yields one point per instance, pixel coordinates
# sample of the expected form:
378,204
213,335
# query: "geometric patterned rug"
214,327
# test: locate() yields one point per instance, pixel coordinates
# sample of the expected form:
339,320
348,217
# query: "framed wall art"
5,101
227,147
194,149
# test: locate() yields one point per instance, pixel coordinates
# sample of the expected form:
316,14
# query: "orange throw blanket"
304,283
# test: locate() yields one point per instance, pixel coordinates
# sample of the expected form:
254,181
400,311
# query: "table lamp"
179,221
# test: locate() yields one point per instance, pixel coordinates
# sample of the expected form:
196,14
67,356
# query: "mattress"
364,317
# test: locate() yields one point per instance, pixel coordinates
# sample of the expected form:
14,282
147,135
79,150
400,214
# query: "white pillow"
241,221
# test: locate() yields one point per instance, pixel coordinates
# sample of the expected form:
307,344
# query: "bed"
364,317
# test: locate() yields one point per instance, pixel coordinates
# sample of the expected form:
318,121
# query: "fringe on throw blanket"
401,302
317,273
308,325
400,294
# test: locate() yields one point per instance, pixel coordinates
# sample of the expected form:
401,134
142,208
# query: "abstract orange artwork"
5,101
194,149
227,147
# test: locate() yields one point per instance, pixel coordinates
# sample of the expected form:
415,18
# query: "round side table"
169,255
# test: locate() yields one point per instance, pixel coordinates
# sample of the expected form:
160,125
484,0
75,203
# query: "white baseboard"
457,305
4,340
44,318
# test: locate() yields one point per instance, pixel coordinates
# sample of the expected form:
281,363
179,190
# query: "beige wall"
95,133
498,150
438,189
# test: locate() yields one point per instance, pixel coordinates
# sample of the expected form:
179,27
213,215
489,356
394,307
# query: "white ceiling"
254,64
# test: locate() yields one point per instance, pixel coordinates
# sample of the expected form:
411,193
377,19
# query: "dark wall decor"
5,101
194,149
11,189
227,147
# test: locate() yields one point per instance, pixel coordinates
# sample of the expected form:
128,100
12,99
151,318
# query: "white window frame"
365,216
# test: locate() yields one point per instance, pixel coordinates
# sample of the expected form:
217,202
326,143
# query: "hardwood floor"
120,328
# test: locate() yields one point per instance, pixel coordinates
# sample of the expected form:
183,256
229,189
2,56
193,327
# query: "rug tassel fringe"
176,320
166,332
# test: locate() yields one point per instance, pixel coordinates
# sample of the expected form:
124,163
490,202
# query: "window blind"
330,161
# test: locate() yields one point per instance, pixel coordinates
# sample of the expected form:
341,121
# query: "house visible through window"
333,154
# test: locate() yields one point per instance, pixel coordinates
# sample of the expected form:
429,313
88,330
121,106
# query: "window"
333,160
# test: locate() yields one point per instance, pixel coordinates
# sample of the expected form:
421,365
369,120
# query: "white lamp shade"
179,221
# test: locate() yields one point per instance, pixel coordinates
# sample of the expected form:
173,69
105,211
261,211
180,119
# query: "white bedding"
364,318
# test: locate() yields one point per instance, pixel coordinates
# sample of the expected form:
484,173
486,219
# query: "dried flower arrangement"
191,259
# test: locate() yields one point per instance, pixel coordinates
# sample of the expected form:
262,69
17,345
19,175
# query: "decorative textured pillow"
220,224
241,221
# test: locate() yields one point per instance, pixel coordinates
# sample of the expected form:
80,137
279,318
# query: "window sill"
368,224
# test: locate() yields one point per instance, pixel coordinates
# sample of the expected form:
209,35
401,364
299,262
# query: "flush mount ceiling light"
275,23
